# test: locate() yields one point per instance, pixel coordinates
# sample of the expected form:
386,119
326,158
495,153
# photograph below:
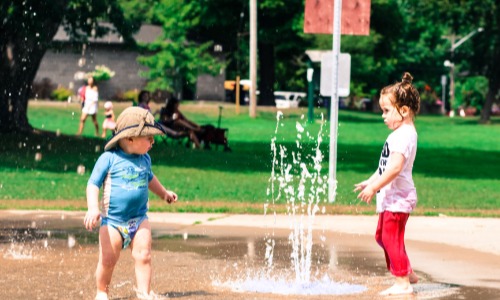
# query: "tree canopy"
404,36
172,59
26,32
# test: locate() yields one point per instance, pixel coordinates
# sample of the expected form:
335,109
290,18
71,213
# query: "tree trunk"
15,87
266,72
24,39
493,90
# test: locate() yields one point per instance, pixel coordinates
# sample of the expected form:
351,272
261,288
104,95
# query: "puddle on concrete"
35,254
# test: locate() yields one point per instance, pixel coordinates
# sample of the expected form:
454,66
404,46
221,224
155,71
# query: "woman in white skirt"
90,105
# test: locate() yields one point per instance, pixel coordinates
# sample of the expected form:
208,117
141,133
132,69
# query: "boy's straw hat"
132,122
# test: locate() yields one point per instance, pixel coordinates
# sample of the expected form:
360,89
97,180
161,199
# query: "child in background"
393,183
124,172
109,121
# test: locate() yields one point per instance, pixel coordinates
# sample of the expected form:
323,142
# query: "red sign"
355,17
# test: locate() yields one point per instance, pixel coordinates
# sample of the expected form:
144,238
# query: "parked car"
286,99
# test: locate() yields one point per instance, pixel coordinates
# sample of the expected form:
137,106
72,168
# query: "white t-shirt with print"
400,194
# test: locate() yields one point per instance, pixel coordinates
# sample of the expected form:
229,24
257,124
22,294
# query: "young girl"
393,183
124,173
109,121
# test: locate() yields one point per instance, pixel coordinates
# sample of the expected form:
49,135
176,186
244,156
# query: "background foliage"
453,170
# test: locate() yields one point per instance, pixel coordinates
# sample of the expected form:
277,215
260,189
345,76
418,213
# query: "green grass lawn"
456,170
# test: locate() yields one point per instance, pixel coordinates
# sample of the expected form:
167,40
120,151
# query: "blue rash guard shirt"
125,179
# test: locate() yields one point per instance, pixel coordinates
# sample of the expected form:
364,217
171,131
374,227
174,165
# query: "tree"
481,54
281,41
173,59
26,33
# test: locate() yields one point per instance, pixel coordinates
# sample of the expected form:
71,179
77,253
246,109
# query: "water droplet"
71,241
38,156
80,170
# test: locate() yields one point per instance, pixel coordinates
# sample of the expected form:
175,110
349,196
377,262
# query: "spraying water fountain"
296,181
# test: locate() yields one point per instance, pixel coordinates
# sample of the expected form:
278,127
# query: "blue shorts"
126,229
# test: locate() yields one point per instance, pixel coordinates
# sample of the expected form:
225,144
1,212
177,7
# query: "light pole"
451,64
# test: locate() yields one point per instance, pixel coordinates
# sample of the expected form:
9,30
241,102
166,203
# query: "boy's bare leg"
110,244
402,286
141,252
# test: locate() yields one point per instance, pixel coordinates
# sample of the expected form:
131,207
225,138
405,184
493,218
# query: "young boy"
124,173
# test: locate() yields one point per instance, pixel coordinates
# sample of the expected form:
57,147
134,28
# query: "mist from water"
296,182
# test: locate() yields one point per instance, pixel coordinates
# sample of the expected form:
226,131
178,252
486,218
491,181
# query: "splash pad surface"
192,251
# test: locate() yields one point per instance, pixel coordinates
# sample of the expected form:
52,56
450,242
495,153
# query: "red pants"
390,236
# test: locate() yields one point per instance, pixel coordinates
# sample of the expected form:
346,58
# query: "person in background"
109,118
392,183
90,105
172,118
144,99
124,173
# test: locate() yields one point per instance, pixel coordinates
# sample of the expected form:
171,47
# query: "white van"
285,99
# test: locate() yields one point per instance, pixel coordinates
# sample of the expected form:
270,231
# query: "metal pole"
253,59
443,94
452,89
237,94
310,91
334,106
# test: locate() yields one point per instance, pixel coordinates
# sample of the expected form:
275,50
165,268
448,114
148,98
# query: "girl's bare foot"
401,287
397,289
413,277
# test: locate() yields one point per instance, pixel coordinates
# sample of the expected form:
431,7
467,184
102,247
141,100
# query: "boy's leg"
141,252
110,245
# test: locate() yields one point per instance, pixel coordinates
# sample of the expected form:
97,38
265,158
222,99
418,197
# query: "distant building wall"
210,87
62,65
62,68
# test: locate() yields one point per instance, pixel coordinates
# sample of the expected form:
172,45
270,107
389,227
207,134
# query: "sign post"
351,18
334,102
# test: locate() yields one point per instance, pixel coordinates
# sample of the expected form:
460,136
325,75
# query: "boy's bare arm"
93,213
156,187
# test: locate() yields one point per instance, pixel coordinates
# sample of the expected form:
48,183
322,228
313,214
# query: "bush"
101,73
61,94
471,93
131,95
